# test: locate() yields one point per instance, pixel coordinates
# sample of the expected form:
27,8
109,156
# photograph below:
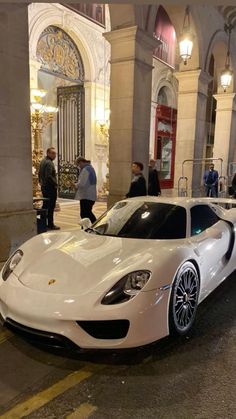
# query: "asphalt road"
184,378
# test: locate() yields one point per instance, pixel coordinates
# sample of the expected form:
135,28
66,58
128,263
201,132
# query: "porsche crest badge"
51,281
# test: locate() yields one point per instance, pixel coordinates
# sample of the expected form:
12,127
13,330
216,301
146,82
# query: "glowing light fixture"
227,73
186,38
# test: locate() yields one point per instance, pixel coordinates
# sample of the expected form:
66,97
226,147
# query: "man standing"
138,183
86,188
153,180
48,182
211,181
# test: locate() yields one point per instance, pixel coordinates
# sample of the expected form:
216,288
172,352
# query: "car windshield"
143,220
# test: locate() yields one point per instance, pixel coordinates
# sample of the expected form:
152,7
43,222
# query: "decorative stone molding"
86,35
225,102
193,81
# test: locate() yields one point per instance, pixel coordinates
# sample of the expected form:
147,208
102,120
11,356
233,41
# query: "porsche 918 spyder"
134,276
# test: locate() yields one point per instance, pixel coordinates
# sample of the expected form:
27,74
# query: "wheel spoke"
179,299
182,316
189,279
179,309
192,286
181,288
185,278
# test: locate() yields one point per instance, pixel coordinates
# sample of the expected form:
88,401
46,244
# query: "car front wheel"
184,299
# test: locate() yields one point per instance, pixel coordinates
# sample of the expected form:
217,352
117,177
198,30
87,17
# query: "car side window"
202,217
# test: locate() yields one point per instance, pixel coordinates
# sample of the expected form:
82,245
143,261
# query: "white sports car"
134,276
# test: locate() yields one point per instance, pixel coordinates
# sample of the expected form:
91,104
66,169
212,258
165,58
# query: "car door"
210,237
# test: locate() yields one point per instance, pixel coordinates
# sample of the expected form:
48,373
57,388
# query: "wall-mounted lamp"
103,126
41,116
227,73
186,38
103,121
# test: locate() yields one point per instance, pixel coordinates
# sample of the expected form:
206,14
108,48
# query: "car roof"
183,201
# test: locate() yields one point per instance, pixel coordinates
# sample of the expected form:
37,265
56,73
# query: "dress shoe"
54,228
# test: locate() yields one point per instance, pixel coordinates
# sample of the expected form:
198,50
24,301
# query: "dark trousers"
49,205
86,207
211,191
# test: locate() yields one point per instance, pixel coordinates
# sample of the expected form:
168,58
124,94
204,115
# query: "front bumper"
68,316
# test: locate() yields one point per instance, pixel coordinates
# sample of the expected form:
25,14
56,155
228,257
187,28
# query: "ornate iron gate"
70,102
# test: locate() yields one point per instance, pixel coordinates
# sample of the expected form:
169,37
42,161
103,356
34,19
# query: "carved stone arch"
176,16
170,90
46,17
59,55
218,48
218,38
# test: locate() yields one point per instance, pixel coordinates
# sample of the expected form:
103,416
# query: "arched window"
165,32
165,137
162,98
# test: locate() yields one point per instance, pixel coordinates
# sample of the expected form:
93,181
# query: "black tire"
184,299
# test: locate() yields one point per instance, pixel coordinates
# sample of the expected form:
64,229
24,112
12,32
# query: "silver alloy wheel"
185,298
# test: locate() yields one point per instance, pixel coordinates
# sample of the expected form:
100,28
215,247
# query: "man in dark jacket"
48,182
153,180
138,183
211,181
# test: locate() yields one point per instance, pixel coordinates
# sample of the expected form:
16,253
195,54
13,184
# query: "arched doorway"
165,92
165,137
62,75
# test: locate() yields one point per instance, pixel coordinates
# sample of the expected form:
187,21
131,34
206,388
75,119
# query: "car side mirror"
85,223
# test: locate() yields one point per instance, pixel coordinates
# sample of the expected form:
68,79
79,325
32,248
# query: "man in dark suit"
48,182
211,181
153,180
138,183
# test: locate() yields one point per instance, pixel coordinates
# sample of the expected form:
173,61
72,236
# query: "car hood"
79,262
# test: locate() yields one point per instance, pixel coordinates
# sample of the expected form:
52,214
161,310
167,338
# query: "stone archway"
61,74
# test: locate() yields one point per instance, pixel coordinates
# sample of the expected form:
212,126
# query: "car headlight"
11,263
127,287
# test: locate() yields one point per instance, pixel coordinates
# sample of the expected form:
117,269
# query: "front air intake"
105,329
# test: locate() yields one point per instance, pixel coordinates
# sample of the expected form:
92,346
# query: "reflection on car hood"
81,262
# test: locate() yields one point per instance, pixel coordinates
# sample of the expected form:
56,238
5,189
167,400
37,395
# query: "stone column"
191,125
17,218
225,129
130,105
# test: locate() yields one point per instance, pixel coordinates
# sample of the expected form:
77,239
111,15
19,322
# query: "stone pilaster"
225,128
17,218
130,105
191,125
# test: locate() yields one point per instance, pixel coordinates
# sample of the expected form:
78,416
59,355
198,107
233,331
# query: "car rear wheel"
184,299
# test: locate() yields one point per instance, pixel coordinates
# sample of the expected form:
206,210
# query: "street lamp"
41,117
186,38
227,73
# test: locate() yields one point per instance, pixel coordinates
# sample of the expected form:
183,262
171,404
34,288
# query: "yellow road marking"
82,412
45,396
5,335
